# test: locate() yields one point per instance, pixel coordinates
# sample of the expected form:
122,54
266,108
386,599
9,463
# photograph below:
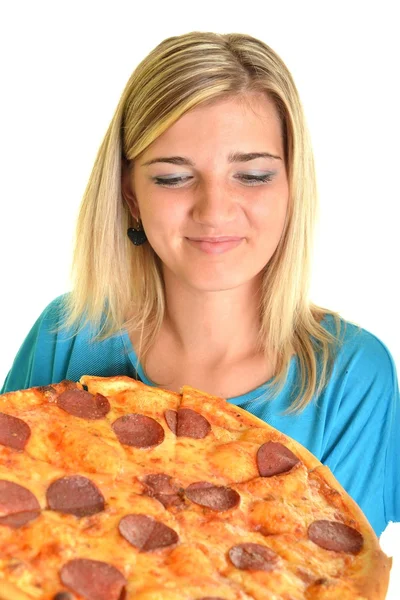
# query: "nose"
215,205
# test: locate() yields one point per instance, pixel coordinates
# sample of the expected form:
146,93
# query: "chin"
212,278
216,284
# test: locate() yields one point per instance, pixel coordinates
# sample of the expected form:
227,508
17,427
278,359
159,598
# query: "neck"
217,327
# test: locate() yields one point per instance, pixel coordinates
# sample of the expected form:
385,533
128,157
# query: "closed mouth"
215,240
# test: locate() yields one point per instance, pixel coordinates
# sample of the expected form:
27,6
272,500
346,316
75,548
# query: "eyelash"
175,180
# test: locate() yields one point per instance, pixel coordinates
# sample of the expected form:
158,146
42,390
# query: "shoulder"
363,381
55,309
51,332
49,325
54,318
361,351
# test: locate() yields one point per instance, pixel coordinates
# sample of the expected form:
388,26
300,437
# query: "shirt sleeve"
362,446
33,364
392,462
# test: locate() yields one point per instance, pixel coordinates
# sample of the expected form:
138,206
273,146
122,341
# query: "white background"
64,66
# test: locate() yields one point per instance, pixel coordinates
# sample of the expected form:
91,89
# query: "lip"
215,240
215,245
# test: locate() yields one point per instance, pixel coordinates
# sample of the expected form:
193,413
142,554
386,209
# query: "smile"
217,245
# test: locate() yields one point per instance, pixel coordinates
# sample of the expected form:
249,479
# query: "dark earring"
137,236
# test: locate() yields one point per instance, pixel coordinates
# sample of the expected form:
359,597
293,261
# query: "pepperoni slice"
253,557
80,403
192,424
146,533
274,458
14,432
63,596
93,579
212,496
138,430
18,505
171,416
333,535
168,500
75,495
187,423
158,485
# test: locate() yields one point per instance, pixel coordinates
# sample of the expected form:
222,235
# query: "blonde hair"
117,285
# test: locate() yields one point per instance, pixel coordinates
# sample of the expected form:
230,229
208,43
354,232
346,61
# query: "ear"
127,189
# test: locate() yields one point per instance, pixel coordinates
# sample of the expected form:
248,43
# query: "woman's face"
213,217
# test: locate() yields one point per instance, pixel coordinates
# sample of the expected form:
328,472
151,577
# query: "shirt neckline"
237,400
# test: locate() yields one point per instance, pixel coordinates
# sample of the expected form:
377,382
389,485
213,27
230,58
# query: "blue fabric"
352,427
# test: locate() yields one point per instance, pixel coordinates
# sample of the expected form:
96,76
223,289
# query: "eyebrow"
233,157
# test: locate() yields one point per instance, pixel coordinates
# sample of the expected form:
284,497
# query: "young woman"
192,265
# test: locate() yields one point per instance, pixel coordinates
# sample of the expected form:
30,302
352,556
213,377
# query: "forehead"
247,123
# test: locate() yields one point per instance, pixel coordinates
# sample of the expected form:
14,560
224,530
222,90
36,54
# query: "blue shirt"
352,427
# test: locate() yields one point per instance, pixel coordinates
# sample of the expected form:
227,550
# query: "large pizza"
113,490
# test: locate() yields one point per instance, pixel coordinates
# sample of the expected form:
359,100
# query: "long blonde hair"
117,285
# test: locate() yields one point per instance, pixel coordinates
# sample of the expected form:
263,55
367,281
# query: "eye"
170,182
256,179
250,179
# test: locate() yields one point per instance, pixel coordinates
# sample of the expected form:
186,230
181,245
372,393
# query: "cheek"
162,216
269,215
164,224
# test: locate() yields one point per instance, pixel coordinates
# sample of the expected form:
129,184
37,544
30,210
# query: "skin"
212,289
